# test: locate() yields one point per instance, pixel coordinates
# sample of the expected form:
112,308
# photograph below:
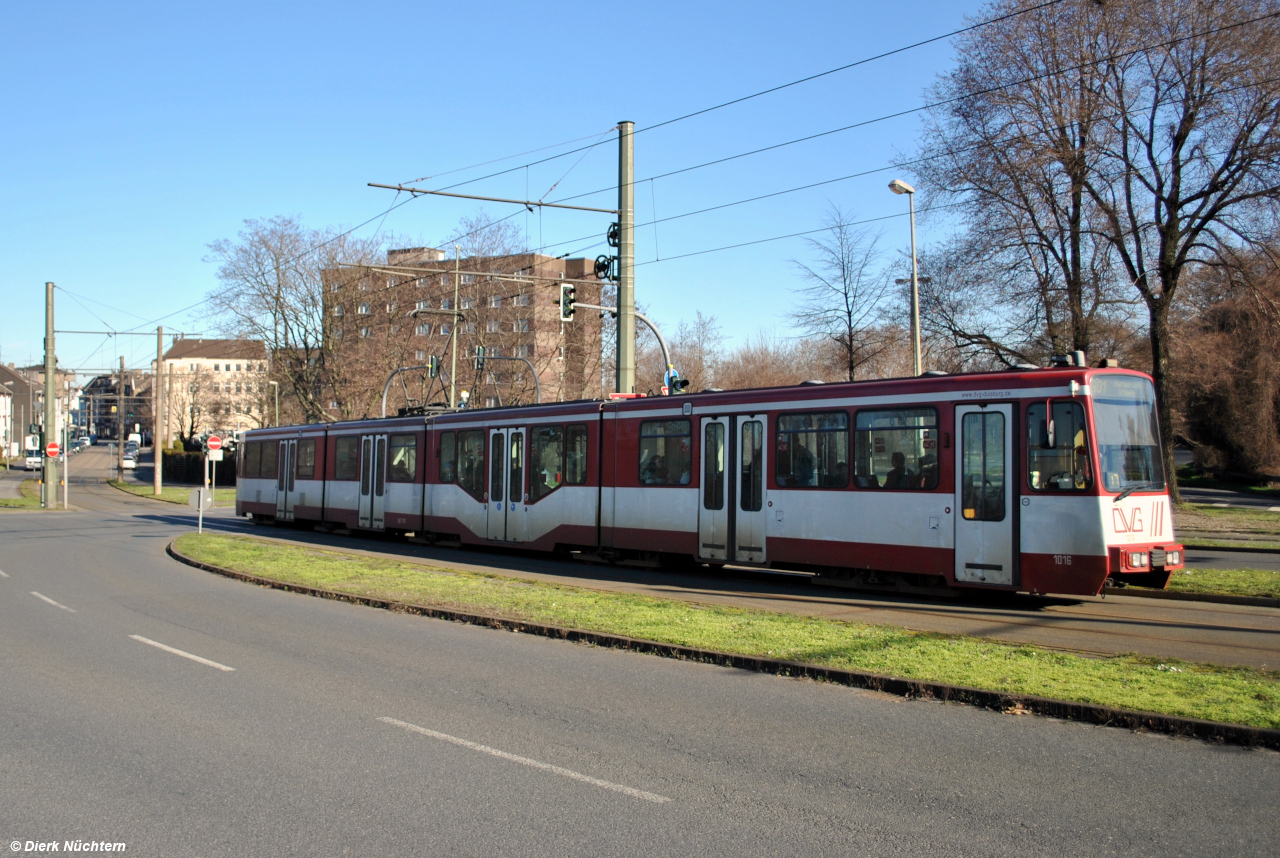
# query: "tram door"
984,495
731,509
506,484
373,481
286,471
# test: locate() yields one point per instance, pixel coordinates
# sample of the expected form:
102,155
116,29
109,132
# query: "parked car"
130,462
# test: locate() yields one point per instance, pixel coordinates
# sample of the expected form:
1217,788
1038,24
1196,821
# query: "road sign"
214,443
200,499
51,449
214,455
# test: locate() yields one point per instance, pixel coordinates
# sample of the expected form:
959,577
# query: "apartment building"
215,386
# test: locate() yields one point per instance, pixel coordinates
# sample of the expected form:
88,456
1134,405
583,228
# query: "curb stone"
1090,713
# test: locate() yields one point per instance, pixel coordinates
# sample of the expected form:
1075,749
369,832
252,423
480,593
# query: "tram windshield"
1124,416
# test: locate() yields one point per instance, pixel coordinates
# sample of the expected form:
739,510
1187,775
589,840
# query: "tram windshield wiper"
1139,487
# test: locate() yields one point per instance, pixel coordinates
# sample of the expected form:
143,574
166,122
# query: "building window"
337,333
521,326
491,402
423,330
420,355
391,307
469,328
215,368
195,367
466,303
522,351
468,279
491,377
493,326
520,300
364,332
364,309
337,311
237,367
422,305
444,330
495,300
446,304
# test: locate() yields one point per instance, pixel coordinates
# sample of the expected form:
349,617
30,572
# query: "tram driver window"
1058,460
666,452
812,450
896,449
403,467
346,456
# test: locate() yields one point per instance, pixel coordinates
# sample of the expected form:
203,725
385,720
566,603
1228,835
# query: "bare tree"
845,291
274,277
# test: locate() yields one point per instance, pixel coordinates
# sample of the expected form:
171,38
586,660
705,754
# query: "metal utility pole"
168,398
156,398
50,402
120,424
453,363
626,368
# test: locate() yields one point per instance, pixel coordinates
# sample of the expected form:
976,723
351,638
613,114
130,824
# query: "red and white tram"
1042,481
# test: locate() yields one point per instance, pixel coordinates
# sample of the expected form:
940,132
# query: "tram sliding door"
984,495
373,481
286,475
506,485
731,511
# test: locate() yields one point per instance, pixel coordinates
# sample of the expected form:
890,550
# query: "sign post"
199,498
213,453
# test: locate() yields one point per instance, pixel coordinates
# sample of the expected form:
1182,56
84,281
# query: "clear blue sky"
136,134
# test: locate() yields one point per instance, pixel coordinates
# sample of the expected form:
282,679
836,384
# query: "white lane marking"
1220,504
180,652
51,602
525,761
3,575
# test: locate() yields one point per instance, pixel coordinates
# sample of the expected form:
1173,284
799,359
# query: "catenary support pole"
626,369
157,455
120,424
453,362
50,402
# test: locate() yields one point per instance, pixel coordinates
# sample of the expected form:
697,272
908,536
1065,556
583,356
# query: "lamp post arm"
537,385
387,387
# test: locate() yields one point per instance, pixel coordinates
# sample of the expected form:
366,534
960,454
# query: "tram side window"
546,454
346,464
666,452
575,454
403,466
253,459
306,468
471,461
896,449
448,457
1058,460
812,450
268,463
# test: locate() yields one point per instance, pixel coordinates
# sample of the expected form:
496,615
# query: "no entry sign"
52,449
214,443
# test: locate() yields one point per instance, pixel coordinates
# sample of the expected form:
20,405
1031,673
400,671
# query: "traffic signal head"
433,366
568,296
479,358
679,385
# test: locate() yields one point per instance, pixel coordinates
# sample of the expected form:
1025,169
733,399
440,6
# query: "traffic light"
568,293
433,366
479,358
675,383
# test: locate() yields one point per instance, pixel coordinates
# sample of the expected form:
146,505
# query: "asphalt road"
341,730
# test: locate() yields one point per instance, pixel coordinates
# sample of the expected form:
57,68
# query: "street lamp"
900,187
276,385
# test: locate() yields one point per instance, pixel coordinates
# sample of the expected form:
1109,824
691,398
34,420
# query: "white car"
130,463
34,461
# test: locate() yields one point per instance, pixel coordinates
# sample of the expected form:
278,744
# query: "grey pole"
168,398
626,369
915,288
50,402
120,424
453,363
156,484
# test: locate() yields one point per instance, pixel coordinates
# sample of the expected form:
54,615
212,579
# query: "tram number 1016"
1062,559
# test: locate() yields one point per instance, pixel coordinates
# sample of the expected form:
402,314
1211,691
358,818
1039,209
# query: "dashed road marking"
3,575
51,602
1220,504
525,761
157,645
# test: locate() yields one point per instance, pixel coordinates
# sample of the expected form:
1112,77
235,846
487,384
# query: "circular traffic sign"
214,443
52,449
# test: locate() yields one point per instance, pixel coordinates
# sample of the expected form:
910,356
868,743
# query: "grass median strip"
175,494
1229,695
1264,583
30,491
